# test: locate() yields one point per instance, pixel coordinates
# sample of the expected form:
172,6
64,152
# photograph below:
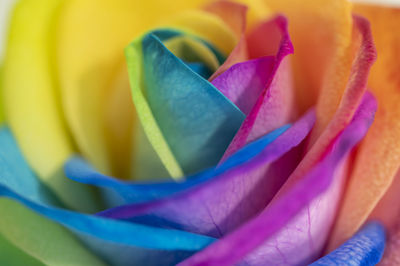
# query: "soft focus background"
6,5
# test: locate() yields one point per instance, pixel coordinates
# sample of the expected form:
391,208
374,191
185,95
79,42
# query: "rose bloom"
196,132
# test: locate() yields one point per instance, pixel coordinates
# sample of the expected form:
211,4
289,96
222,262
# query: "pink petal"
274,107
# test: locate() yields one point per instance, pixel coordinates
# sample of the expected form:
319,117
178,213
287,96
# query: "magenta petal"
274,106
244,82
220,205
256,240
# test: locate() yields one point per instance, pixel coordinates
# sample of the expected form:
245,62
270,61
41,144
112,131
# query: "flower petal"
46,241
135,192
378,158
206,25
13,256
311,227
314,64
235,16
364,248
92,74
117,242
191,50
187,120
274,106
251,240
1,96
227,200
243,82
387,211
31,102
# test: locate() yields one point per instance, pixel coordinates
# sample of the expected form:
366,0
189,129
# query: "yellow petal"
191,50
208,26
31,99
92,37
1,97
258,11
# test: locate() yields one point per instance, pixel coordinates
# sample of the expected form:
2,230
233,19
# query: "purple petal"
253,242
225,202
274,106
243,82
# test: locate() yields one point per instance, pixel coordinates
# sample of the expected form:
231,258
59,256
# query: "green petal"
43,239
10,255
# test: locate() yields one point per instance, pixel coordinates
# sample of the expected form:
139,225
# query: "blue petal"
200,69
197,121
165,34
120,192
118,242
364,248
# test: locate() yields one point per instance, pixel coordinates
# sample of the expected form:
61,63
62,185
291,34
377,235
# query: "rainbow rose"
256,132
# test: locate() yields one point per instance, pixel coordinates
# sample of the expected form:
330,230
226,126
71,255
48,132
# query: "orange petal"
379,155
234,15
388,212
352,95
321,31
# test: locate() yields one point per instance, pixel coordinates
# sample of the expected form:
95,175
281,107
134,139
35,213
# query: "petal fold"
273,106
120,192
378,159
364,248
187,120
30,92
116,242
250,242
227,200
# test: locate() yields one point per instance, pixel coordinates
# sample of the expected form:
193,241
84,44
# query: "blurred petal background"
6,6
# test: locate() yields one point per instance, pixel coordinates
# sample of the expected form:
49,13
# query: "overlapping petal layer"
26,230
235,16
226,201
251,241
187,120
321,63
31,102
364,248
135,192
116,242
91,60
271,194
378,159
312,226
272,105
